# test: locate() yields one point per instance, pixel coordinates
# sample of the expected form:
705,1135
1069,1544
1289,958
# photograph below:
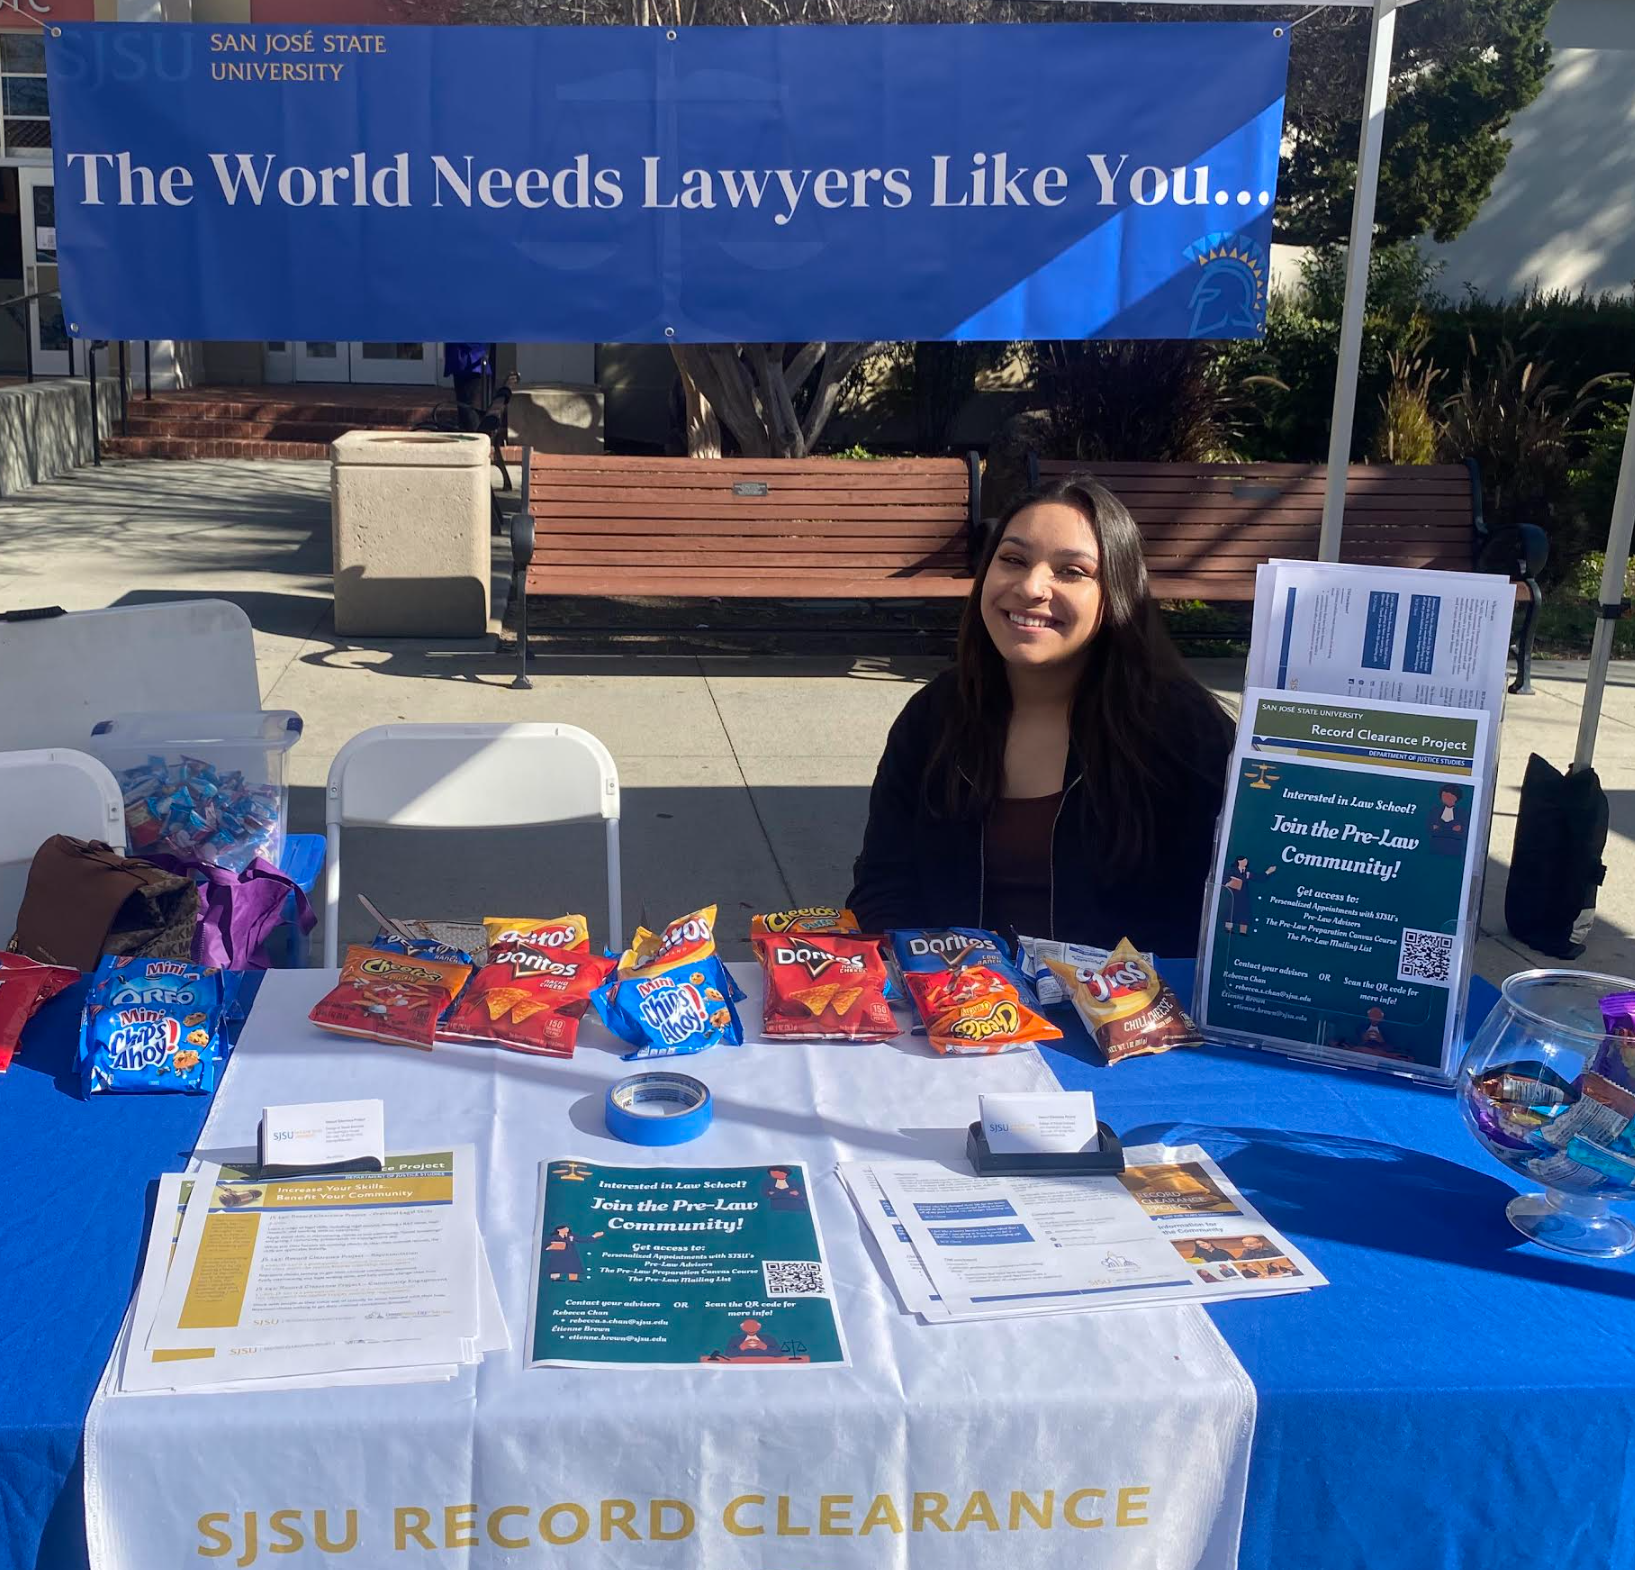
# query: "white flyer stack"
1171,1228
1068,1443
266,1281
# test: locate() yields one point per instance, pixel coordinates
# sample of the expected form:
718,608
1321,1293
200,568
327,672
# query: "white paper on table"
143,1372
1275,1267
904,1268
989,1238
1192,1202
416,1220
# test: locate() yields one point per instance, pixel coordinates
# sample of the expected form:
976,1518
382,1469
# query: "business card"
1021,1123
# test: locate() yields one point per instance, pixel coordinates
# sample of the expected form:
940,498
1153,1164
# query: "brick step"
251,430
347,415
197,447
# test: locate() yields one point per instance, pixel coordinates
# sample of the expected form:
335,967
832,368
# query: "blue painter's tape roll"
658,1109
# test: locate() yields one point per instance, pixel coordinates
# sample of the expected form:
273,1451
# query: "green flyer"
1339,919
674,1267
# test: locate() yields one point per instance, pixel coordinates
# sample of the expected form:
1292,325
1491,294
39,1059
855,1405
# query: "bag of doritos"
389,997
925,951
815,919
1126,1005
824,987
533,991
154,1025
976,1010
671,994
24,985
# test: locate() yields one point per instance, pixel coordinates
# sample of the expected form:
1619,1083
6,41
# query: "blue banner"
645,185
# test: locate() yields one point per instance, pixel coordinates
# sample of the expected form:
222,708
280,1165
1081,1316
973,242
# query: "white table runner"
1082,1442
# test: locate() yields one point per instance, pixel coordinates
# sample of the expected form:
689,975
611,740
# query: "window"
25,127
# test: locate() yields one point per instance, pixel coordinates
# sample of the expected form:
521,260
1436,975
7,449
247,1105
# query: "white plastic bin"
210,787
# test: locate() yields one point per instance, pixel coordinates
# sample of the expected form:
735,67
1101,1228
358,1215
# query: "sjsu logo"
143,1038
1229,300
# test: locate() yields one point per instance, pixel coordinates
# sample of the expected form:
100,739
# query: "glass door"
405,363
47,328
410,363
322,362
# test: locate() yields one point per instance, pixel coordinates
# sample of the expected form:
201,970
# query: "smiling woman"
1063,780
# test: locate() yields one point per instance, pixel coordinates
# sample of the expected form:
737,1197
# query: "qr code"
1425,956
794,1278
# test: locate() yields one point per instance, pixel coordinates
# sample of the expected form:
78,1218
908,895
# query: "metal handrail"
28,337
23,299
124,372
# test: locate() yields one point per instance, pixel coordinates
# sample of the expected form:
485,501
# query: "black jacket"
921,869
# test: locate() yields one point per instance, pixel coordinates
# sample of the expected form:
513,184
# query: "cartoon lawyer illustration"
1237,898
779,1192
749,1342
563,1248
1450,822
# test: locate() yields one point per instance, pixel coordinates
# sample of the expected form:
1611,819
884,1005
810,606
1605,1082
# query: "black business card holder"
1049,1163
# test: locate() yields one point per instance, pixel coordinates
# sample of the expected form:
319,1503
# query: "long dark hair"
1139,718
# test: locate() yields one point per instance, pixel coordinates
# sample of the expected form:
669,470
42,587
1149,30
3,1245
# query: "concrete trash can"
409,512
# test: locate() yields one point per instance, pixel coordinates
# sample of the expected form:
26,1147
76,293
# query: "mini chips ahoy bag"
153,1025
671,994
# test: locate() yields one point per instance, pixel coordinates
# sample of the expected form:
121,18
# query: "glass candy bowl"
1552,1095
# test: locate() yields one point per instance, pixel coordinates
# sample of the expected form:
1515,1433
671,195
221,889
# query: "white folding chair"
469,777
53,790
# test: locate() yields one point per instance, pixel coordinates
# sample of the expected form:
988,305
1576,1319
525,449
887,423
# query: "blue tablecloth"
77,1181
1457,1399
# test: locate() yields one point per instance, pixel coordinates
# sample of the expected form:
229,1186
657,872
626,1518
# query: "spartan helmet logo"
1229,299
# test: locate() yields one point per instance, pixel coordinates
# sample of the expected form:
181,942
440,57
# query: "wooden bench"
790,528
1206,526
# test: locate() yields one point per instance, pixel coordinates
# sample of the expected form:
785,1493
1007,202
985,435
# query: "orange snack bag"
389,997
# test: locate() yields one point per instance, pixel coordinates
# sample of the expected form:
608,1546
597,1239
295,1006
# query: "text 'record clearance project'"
1348,866
674,1267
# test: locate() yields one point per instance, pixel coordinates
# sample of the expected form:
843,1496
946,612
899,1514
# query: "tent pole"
1376,88
1612,599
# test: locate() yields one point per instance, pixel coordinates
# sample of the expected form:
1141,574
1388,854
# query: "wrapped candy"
190,809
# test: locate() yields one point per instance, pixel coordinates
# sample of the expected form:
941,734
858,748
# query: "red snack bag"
824,987
975,1011
24,985
389,997
527,997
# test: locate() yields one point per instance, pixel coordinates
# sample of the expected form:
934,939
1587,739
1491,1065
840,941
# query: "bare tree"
775,398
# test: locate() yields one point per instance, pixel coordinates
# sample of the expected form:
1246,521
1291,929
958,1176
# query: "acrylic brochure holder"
1442,1073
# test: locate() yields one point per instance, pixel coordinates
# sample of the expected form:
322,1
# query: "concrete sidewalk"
745,777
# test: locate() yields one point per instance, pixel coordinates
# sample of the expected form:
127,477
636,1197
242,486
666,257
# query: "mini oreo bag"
154,1025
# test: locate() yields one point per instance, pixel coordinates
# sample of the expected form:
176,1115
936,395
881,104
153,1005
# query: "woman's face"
1041,598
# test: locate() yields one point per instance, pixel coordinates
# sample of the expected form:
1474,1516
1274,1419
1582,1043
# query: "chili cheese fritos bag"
824,987
1127,1007
389,997
671,995
533,991
976,1010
